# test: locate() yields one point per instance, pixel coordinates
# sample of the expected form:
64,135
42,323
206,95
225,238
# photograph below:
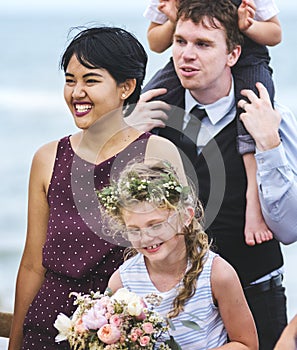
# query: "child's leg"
256,230
246,77
166,78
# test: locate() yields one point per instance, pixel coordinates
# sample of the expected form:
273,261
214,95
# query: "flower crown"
161,189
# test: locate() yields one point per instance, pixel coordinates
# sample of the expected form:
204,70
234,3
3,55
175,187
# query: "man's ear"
234,55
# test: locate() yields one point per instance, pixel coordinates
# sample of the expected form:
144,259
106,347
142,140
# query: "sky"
83,5
106,6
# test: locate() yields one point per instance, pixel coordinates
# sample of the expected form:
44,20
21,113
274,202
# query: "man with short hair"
206,45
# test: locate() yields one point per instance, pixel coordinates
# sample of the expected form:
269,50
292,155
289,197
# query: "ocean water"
33,111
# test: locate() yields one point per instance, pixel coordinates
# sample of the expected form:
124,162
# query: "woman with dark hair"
65,249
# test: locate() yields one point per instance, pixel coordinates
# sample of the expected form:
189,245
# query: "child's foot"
256,231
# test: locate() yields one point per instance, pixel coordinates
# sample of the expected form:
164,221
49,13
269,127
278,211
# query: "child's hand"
169,8
246,14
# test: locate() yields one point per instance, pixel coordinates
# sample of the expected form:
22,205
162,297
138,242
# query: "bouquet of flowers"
119,321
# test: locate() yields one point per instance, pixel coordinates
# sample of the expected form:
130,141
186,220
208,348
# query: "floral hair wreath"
162,188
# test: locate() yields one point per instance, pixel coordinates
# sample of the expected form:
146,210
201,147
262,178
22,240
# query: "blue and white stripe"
200,308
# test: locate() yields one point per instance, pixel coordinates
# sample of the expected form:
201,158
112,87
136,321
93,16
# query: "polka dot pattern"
75,254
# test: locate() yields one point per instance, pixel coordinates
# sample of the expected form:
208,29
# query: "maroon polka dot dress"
75,254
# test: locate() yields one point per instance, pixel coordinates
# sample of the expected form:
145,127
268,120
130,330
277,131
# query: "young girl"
258,22
170,257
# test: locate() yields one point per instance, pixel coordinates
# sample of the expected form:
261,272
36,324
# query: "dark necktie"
192,129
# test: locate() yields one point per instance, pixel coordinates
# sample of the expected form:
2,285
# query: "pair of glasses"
160,228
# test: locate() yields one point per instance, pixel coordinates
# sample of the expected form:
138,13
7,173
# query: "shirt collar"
215,111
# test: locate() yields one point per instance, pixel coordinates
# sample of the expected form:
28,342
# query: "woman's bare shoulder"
46,152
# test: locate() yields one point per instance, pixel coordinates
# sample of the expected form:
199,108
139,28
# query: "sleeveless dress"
76,254
200,308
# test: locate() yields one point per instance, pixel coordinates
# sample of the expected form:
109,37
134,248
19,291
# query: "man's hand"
149,114
260,119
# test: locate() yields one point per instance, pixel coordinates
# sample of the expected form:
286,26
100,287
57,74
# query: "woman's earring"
123,95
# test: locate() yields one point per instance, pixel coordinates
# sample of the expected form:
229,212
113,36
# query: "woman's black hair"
113,49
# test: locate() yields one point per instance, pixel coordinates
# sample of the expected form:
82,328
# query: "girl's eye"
133,232
156,227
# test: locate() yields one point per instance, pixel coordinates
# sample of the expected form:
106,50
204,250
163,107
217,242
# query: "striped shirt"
200,308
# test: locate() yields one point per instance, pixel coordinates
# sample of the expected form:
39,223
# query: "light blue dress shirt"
219,115
277,180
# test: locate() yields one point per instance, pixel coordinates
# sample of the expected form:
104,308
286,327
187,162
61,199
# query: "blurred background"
33,35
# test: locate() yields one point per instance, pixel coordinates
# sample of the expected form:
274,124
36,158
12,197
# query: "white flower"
123,294
135,307
132,300
63,324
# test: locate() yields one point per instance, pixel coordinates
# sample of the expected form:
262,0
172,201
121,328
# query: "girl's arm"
234,310
31,272
159,148
115,281
267,32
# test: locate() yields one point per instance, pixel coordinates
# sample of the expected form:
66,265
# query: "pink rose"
115,320
138,331
144,340
133,336
109,334
148,328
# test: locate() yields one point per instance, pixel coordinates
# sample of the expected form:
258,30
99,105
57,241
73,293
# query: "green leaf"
191,324
173,344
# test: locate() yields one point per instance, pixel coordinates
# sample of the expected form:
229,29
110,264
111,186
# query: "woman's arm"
31,272
234,310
